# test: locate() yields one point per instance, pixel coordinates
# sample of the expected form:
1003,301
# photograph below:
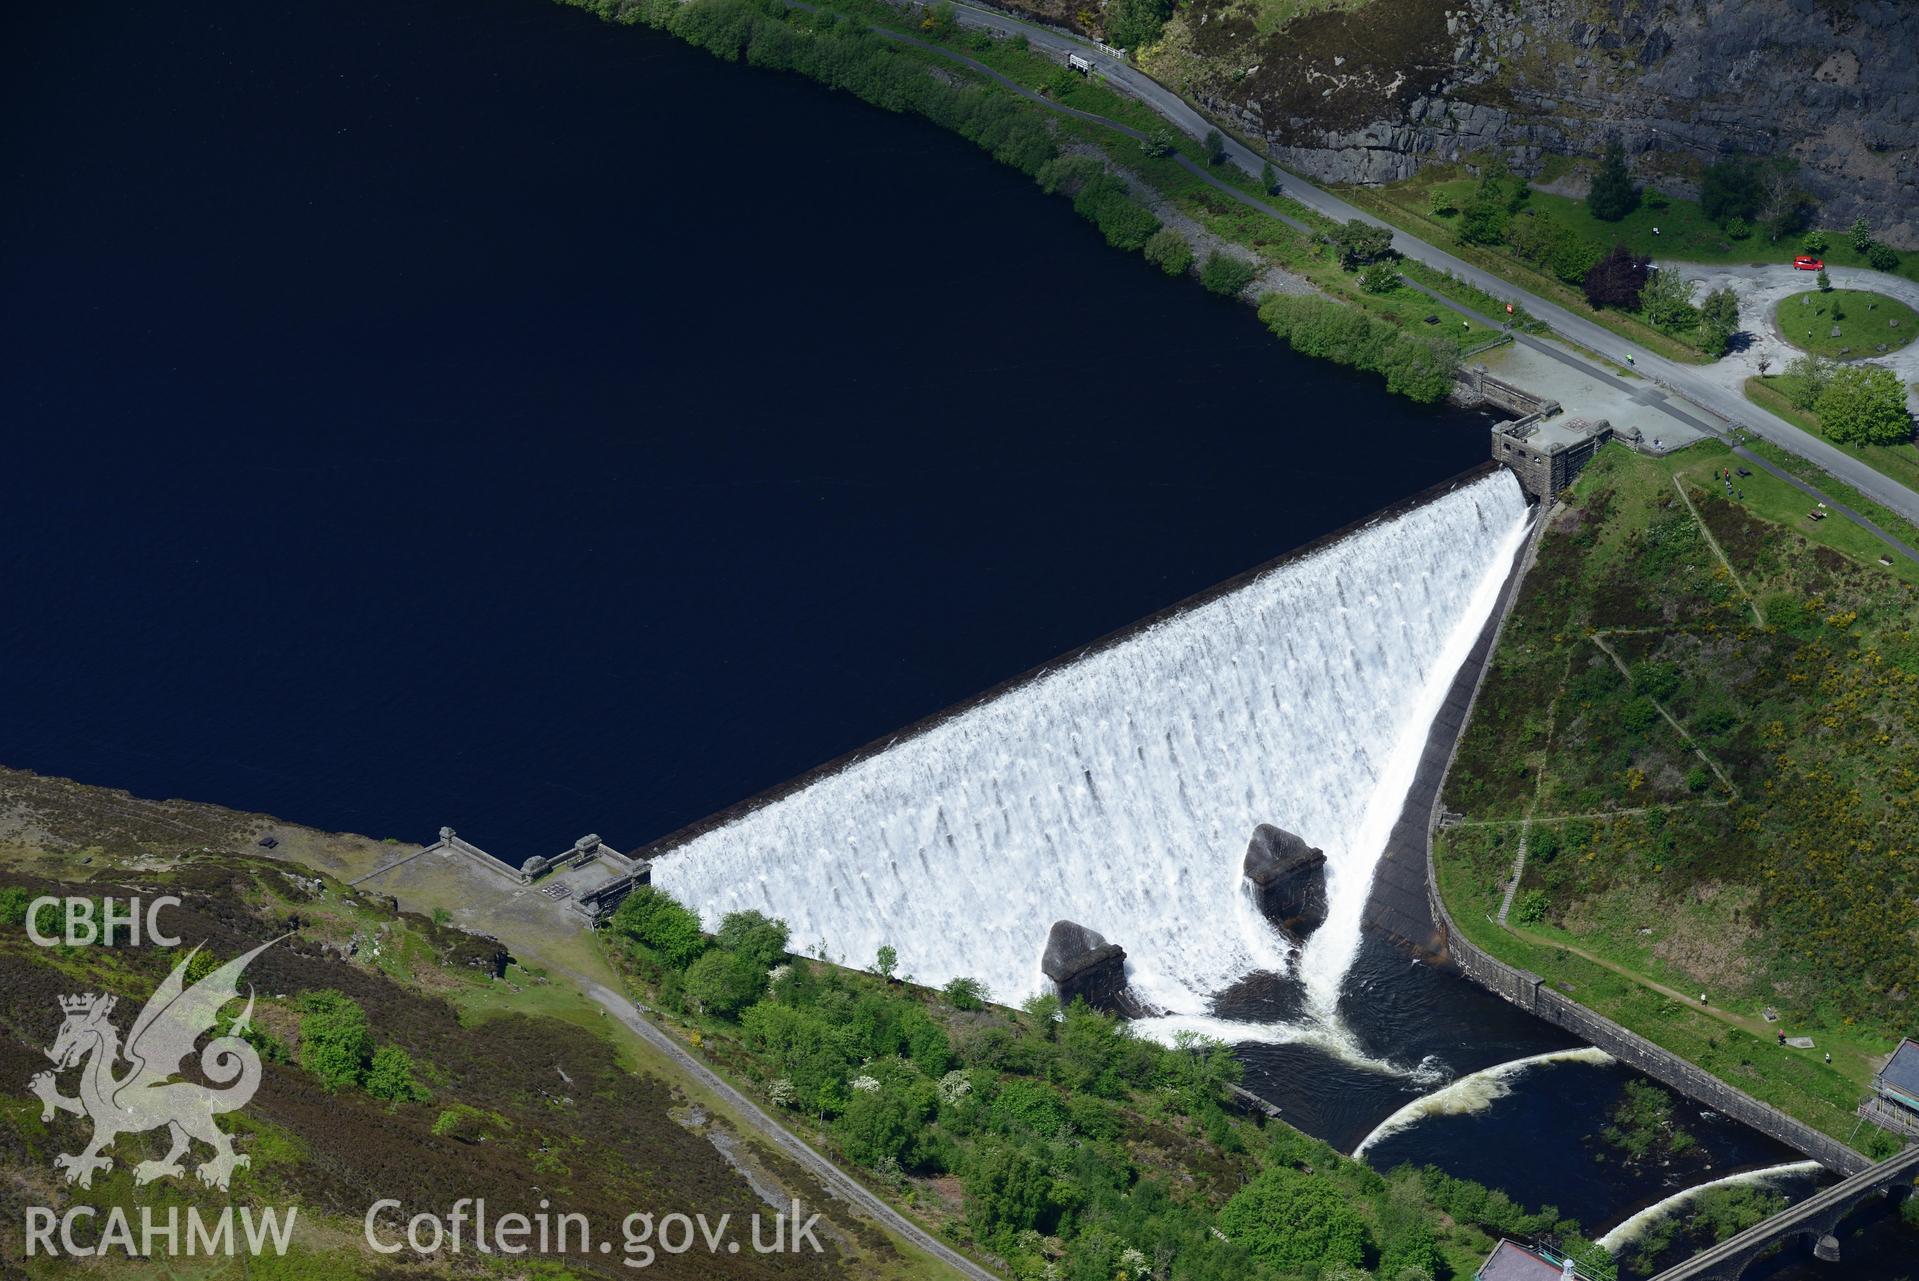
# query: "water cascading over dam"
1119,789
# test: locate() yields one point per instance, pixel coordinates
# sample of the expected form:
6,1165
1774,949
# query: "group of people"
1726,476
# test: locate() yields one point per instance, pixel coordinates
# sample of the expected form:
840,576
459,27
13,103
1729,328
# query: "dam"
1118,787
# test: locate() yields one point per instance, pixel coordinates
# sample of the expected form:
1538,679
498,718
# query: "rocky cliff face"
1367,94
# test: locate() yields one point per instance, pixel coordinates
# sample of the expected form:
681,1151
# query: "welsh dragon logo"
146,1096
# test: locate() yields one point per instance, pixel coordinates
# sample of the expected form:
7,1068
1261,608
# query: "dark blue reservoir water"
424,412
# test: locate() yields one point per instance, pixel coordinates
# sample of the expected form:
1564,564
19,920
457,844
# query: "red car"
1805,262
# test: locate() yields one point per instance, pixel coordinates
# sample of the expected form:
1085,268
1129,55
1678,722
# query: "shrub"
334,1043
1865,405
1414,365
1442,204
963,993
723,983
1126,224
1133,24
755,936
1815,242
1380,278
1226,274
1882,257
1419,367
1738,229
1168,250
1288,1220
390,1076
653,917
1158,141
13,905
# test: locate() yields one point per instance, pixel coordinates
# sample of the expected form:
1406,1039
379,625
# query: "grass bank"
1702,713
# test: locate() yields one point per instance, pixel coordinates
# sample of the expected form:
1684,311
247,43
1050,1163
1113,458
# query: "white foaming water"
1120,790
1473,1094
1628,1232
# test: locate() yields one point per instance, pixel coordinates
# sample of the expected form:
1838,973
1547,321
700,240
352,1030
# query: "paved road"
1762,289
1726,407
830,1176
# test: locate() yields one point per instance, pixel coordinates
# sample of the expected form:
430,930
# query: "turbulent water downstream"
1120,789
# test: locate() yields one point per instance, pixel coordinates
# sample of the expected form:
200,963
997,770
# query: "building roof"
1509,1262
1902,1071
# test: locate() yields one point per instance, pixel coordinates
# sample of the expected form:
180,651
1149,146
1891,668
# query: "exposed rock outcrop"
1290,878
1082,964
1367,93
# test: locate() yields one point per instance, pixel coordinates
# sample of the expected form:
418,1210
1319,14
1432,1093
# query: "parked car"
1806,262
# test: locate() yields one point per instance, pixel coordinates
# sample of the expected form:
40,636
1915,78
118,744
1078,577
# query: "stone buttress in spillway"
1119,788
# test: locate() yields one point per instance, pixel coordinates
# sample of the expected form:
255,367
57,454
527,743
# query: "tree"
1007,1190
1268,178
1215,147
1825,281
1226,274
1442,203
1807,377
1483,219
1380,278
1861,234
1134,24
1815,242
1667,301
1360,242
1168,250
964,993
1784,206
723,983
884,1123
1617,279
653,918
1865,405
1719,321
1288,1220
1729,189
1158,141
1882,257
390,1076
755,936
1613,195
886,962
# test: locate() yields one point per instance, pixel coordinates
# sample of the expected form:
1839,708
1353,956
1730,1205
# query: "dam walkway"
1817,1217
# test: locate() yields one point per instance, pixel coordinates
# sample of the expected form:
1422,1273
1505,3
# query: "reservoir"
426,412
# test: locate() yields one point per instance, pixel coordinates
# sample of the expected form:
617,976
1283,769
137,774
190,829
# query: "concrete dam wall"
1118,788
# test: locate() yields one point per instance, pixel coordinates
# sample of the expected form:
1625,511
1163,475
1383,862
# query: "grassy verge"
1900,462
1404,206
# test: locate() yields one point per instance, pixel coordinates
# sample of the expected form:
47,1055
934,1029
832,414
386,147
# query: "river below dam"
426,412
